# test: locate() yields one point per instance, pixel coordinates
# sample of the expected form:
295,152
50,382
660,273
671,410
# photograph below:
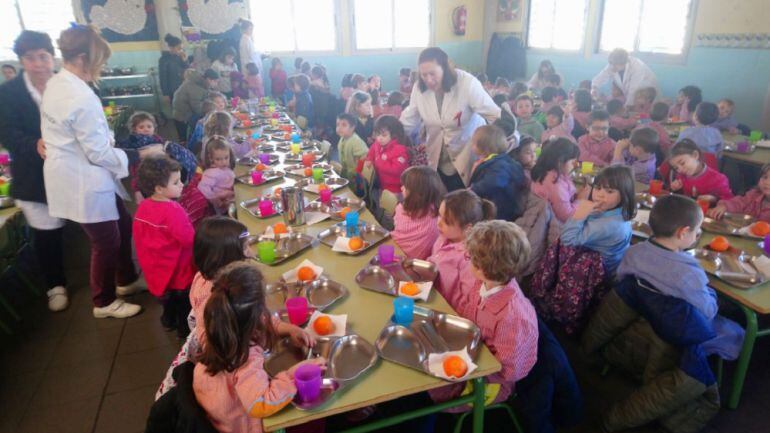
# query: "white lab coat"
249,54
465,107
636,76
82,169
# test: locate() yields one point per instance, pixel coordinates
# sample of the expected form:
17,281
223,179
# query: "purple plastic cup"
308,380
385,253
266,207
264,158
767,245
256,177
297,310
743,147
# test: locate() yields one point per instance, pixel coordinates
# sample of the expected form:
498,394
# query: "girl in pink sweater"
230,382
551,177
218,177
694,178
416,219
459,211
755,202
389,153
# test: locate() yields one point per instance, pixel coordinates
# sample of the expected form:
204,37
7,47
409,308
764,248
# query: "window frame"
337,36
540,50
20,18
393,50
648,56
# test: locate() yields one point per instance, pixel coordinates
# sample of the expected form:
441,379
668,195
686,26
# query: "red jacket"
164,236
709,182
389,162
277,82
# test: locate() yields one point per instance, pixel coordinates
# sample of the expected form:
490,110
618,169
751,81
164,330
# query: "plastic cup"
403,310
266,207
5,159
587,167
767,245
386,254
256,177
307,378
704,205
266,251
743,147
755,136
294,147
264,158
318,174
326,196
351,223
297,310
295,138
656,187
274,122
307,159
5,188
276,114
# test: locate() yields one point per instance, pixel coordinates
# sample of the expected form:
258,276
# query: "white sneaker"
131,289
57,299
119,309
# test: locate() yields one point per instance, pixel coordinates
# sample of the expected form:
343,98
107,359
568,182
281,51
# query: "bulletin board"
122,20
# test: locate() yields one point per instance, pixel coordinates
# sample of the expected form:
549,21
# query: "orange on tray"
308,172
454,366
305,273
760,228
322,187
720,244
355,243
280,228
277,192
323,325
410,289
344,211
261,167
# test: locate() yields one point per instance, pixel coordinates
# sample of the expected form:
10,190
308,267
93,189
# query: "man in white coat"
628,73
448,104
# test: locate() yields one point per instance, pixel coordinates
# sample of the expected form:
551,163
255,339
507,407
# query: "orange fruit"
761,228
322,187
280,228
261,167
355,243
247,123
249,132
305,273
410,289
719,244
308,172
323,325
277,192
344,211
287,136
454,366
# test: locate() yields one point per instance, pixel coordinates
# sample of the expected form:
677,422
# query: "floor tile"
67,417
72,382
77,347
24,356
135,370
16,392
84,320
126,411
144,335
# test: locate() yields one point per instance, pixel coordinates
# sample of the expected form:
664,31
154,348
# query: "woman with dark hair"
224,66
449,104
20,100
538,80
171,67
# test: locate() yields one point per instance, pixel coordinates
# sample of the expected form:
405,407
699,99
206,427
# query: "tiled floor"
68,372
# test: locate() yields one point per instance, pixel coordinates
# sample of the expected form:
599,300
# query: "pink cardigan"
752,203
389,162
559,191
709,182
415,236
599,152
564,129
622,123
455,279
509,328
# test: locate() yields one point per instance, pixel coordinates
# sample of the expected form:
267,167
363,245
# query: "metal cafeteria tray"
733,147
734,267
730,224
320,293
640,229
285,146
371,234
386,278
334,183
645,200
288,247
297,159
252,206
336,206
430,332
254,160
267,177
298,170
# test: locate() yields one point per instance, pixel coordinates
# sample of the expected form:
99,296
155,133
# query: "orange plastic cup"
656,187
704,205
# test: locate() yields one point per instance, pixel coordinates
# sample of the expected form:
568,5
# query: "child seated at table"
220,124
696,179
686,101
708,138
498,250
394,104
726,122
195,140
351,147
618,119
502,87
756,201
360,106
551,176
524,153
230,382
662,261
638,152
528,125
559,123
254,81
643,100
583,104
302,103
658,115
416,218
216,184
458,212
551,97
597,146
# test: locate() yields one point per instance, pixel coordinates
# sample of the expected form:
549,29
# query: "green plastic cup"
755,136
5,188
266,251
318,174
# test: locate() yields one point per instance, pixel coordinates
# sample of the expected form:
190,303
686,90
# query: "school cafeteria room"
309,216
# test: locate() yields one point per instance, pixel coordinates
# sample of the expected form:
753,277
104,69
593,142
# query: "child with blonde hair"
220,124
217,181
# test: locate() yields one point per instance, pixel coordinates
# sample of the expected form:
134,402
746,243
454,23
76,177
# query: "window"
557,24
294,25
391,24
48,16
653,26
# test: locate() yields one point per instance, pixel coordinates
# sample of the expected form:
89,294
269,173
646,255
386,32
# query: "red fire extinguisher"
459,17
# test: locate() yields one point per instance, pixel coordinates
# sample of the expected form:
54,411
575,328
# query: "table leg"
743,360
478,405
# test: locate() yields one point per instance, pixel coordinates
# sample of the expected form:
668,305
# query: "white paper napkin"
436,364
763,143
642,216
315,217
299,172
341,245
313,187
291,276
270,233
424,290
746,231
339,321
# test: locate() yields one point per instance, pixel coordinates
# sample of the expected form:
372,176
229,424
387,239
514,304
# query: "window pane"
620,22
412,23
374,24
49,16
9,22
314,24
272,31
664,26
558,24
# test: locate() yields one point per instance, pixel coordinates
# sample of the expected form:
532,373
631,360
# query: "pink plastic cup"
297,309
326,196
256,177
266,207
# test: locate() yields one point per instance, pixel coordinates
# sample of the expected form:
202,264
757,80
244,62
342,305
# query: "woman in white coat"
246,49
448,104
82,169
628,73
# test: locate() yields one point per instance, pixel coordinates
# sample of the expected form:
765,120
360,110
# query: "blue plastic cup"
351,223
403,310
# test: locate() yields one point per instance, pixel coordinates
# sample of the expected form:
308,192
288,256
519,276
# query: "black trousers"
49,251
451,182
181,130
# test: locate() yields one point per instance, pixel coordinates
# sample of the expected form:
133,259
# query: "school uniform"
351,150
708,138
455,280
599,152
562,130
707,182
604,232
559,191
501,180
642,169
752,203
415,235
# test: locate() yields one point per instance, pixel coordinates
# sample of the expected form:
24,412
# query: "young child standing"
360,106
688,98
350,147
527,123
524,153
708,138
218,177
601,223
551,177
498,251
230,382
638,152
164,236
726,122
254,81
303,102
583,103
560,124
394,104
224,66
597,146
756,202
389,153
459,211
694,178
416,219
277,79
662,262
496,176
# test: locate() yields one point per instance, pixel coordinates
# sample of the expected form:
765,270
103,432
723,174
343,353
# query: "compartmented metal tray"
297,159
252,206
371,234
298,170
730,224
645,200
320,293
734,267
285,146
640,229
267,177
287,247
333,182
336,206
385,278
430,332
254,160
